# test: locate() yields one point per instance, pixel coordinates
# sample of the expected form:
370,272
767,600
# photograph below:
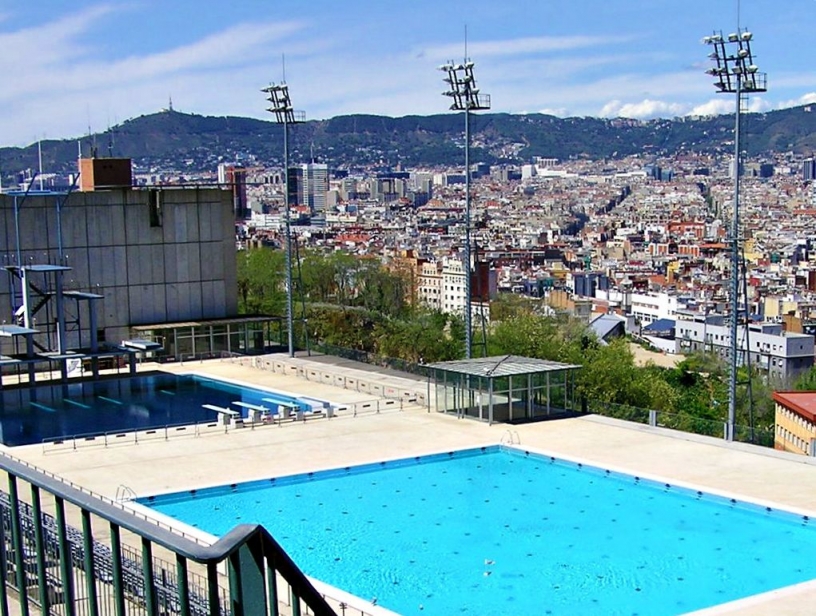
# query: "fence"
134,437
394,396
85,568
683,422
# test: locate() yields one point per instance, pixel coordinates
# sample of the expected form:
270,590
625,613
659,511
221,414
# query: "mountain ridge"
180,140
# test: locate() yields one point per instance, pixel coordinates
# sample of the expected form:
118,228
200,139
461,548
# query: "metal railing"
67,570
683,422
71,442
405,396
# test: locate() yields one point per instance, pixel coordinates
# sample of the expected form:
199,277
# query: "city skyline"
76,68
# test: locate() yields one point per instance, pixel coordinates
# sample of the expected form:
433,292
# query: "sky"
66,67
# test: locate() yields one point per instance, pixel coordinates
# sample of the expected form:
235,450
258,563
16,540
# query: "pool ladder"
510,437
124,493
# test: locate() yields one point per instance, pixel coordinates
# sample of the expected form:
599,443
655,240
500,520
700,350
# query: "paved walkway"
187,462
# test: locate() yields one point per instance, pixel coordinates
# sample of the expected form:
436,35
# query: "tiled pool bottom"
490,531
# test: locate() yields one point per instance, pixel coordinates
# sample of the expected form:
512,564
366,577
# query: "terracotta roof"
801,402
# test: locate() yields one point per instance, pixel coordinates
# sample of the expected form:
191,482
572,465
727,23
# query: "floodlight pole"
467,256
466,97
735,268
290,320
285,115
736,73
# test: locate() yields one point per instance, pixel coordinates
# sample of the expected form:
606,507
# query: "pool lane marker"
42,407
75,403
120,403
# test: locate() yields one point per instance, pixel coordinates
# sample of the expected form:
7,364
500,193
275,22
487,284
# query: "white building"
429,289
453,286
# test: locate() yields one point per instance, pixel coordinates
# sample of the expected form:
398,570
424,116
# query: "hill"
187,141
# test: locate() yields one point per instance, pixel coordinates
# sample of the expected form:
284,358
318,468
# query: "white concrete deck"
746,472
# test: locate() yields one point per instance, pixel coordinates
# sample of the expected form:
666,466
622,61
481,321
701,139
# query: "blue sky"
67,65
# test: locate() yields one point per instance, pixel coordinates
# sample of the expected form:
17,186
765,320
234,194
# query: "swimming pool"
500,531
32,415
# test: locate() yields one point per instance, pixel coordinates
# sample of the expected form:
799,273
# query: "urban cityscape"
480,360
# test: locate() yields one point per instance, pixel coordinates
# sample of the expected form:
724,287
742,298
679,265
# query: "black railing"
69,571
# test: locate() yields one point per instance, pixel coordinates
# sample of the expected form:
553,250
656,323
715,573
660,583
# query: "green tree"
425,337
807,381
261,275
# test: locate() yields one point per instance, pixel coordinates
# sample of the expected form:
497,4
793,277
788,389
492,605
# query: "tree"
261,274
807,381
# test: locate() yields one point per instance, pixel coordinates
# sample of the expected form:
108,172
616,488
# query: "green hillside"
186,141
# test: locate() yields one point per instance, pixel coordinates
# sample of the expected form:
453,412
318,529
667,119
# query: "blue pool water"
31,415
492,531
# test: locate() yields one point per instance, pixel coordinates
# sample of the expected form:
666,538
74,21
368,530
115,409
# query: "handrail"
90,493
184,546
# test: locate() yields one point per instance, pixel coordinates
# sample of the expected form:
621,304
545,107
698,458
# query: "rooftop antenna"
39,156
170,103
91,136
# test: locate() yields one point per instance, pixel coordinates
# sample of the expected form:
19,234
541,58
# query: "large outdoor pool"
500,531
32,415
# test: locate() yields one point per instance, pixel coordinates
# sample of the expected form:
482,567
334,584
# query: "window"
154,204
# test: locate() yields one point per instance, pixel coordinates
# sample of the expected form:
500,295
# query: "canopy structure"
507,388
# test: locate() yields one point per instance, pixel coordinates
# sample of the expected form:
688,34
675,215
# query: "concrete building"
155,256
781,355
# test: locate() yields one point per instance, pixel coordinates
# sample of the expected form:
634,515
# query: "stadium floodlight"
737,74
281,108
466,97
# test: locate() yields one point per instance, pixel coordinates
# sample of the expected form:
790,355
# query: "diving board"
220,409
228,416
252,407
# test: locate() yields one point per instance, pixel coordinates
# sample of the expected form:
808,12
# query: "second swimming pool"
32,415
499,531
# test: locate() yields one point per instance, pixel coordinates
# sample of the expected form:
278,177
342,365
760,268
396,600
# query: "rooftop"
504,365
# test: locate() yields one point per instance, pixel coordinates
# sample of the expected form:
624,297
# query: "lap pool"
48,412
496,531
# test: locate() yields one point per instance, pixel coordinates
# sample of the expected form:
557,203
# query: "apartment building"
795,418
781,355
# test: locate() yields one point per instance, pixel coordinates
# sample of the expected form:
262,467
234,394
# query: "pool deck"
742,471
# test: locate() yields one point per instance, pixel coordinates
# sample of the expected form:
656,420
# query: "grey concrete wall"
184,269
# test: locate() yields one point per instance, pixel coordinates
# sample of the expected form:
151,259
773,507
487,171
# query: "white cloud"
49,44
642,110
714,106
757,104
726,105
805,99
561,112
512,47
91,85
